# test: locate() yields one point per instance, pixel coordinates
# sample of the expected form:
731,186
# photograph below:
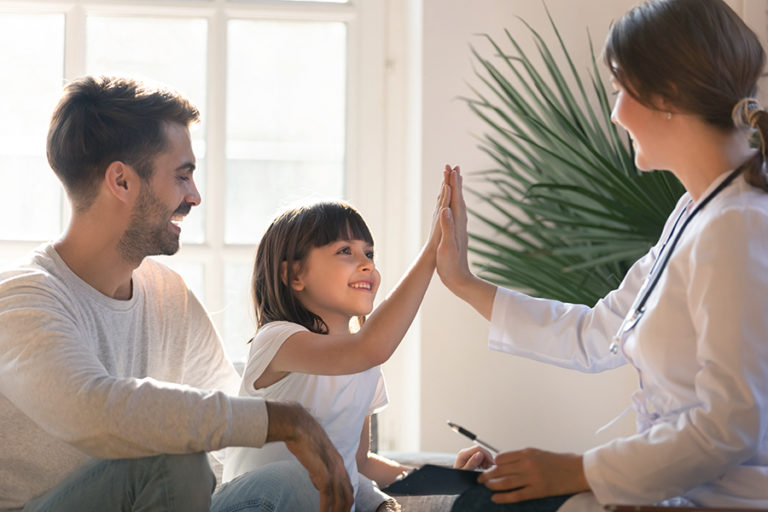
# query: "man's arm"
306,439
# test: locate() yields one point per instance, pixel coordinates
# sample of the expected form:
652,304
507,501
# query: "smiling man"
113,381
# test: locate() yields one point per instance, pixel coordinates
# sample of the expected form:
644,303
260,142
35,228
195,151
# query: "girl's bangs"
339,222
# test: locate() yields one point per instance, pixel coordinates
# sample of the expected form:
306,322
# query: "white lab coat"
700,351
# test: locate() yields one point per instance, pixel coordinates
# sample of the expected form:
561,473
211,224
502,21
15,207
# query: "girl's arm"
452,264
377,339
380,469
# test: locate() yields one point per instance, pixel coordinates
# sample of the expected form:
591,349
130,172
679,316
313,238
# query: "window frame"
364,177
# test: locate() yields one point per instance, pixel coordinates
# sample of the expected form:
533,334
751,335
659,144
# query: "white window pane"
286,87
32,58
170,51
239,318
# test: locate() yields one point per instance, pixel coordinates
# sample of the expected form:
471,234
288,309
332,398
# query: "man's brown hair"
100,120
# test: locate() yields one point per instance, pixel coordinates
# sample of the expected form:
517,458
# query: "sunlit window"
271,82
32,60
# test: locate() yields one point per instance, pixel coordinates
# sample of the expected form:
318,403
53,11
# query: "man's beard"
143,237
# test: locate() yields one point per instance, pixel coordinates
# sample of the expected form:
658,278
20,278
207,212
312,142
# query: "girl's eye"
369,255
344,250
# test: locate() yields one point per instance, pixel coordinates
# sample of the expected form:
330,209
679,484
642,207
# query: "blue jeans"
157,484
279,486
478,499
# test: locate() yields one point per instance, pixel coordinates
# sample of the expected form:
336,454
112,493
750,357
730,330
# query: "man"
112,377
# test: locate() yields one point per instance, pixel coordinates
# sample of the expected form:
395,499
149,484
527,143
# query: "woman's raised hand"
452,263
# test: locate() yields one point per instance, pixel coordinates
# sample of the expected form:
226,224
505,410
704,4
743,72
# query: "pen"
466,433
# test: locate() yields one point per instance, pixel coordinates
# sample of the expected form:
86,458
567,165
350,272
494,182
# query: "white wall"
509,401
443,369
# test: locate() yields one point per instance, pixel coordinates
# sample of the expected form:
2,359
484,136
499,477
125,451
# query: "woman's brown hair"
696,55
284,247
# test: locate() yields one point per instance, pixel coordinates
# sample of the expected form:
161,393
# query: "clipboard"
431,479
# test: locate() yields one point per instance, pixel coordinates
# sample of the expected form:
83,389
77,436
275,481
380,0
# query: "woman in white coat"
690,315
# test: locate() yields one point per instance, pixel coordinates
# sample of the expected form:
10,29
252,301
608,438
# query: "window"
279,88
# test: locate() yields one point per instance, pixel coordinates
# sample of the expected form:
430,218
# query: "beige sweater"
83,375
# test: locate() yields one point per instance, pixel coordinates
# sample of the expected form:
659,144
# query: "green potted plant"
568,212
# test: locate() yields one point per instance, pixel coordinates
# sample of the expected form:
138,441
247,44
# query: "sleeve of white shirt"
51,372
571,336
567,335
264,347
207,365
726,301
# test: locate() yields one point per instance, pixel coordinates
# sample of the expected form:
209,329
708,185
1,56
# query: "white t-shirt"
339,403
84,375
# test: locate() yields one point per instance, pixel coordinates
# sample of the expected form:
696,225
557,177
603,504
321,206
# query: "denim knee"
163,483
279,486
188,478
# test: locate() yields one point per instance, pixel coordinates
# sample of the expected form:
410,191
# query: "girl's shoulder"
277,331
267,342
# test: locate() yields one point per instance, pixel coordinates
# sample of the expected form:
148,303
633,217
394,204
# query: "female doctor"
689,315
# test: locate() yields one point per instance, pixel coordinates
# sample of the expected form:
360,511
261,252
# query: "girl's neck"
337,325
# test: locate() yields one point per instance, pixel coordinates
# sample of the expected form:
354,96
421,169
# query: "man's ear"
121,180
296,283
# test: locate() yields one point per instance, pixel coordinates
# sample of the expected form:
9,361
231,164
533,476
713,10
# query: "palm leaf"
567,210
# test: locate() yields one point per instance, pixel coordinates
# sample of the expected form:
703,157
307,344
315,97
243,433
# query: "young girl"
314,273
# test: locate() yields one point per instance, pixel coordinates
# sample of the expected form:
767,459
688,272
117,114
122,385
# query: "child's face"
338,281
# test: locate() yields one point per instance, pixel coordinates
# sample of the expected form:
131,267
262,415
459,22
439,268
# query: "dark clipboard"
432,479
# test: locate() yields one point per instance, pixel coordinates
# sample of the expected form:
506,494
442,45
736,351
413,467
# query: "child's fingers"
445,196
446,227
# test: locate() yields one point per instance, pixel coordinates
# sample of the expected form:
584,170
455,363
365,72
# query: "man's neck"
96,260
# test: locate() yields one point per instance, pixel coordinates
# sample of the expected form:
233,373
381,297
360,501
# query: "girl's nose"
366,263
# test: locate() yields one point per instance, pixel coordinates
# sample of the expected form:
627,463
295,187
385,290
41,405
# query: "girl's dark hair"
285,244
697,55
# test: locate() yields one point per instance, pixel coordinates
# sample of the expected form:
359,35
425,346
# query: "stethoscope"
638,306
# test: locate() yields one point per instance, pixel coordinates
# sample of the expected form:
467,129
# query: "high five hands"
517,475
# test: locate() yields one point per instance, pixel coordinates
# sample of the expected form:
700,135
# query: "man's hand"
306,439
531,473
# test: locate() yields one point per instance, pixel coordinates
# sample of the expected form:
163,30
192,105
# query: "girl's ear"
296,283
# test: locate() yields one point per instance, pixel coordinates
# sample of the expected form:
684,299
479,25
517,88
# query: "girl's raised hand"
443,201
